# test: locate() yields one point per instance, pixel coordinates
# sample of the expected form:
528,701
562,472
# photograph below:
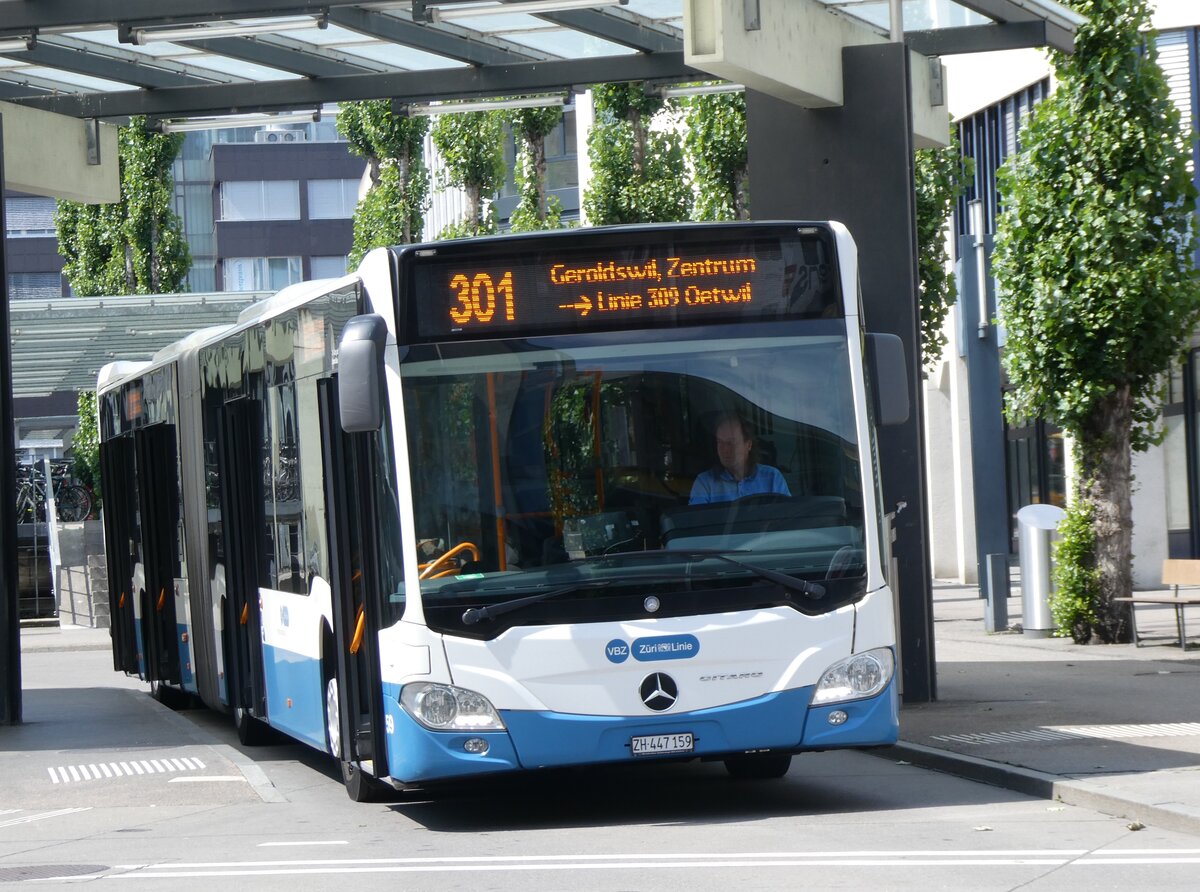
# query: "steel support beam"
439,40
406,86
978,39
979,345
261,52
48,55
611,27
854,164
66,13
10,622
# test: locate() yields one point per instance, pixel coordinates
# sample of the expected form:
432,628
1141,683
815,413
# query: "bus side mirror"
360,373
889,378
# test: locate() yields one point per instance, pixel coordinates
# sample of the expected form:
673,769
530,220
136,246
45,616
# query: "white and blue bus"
518,502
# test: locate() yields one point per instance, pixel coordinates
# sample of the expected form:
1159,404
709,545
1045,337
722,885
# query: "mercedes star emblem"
659,691
651,604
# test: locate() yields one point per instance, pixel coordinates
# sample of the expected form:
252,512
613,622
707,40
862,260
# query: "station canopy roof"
179,59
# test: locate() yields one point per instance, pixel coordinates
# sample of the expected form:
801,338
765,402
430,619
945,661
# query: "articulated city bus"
517,502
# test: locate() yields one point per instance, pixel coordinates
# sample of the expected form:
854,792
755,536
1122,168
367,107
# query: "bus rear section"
635,539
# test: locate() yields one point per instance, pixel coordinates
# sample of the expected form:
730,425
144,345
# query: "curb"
1085,794
251,770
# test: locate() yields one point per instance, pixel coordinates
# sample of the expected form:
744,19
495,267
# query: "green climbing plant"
134,245
637,170
940,175
393,210
536,210
85,445
472,148
715,143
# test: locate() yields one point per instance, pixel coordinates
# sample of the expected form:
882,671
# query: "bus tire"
362,787
172,698
763,767
250,731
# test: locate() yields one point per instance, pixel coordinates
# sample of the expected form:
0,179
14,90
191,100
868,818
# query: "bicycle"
72,502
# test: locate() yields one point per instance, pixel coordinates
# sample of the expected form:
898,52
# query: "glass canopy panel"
335,35
76,80
403,57
239,68
569,44
919,15
664,11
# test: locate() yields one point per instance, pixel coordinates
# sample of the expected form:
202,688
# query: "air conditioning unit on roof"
272,135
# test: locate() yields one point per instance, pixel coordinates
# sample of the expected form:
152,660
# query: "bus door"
240,461
354,662
118,468
158,504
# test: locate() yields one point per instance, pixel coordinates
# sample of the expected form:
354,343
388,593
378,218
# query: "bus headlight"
443,707
856,677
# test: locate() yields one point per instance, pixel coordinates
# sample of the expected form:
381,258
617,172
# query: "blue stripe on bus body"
415,753
782,721
873,722
290,675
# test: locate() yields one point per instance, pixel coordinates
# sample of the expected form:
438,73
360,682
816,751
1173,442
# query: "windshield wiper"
810,590
478,614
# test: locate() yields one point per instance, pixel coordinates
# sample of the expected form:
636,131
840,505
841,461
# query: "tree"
940,176
1093,255
472,148
136,245
637,172
393,210
716,146
535,211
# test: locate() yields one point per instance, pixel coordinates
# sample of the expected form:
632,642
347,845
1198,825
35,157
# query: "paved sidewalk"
1115,728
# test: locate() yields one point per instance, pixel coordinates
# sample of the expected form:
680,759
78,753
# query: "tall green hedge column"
136,245
1093,256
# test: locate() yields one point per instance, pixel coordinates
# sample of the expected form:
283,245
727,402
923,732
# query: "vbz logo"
617,651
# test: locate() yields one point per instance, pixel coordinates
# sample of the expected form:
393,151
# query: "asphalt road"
203,811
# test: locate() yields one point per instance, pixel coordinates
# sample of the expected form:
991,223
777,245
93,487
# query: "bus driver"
738,474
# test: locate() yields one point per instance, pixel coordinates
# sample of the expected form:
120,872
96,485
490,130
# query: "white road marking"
29,819
65,774
311,842
625,861
1052,733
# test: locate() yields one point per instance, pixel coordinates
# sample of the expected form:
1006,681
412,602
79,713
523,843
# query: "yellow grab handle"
359,628
162,598
245,614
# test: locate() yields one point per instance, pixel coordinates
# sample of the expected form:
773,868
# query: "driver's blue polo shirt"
718,485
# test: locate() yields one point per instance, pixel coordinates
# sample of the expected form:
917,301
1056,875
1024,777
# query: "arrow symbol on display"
583,305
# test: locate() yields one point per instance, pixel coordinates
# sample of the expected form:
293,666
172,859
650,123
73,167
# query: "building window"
29,217
328,267
34,286
332,199
260,200
260,273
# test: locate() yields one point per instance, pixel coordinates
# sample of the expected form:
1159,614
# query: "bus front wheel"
362,787
766,767
250,731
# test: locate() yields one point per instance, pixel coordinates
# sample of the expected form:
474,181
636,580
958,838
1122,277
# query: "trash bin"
1037,529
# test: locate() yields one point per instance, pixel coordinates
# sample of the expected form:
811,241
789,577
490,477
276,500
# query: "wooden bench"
1175,573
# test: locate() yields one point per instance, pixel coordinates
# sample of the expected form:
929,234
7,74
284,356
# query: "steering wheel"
434,569
763,498
843,559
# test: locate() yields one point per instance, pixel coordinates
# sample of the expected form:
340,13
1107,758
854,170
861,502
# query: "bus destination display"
576,290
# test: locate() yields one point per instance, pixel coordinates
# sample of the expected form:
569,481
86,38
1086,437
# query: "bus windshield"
601,469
